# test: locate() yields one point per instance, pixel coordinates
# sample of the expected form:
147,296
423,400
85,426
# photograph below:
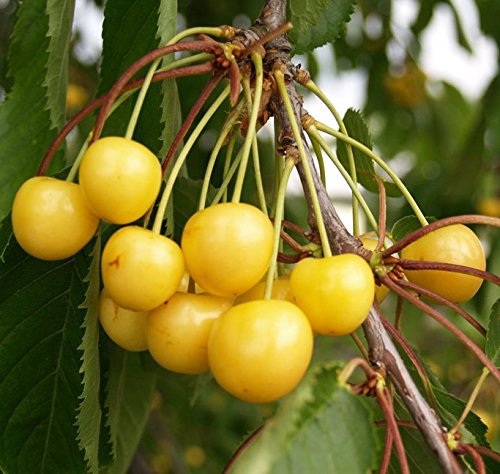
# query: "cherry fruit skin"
336,293
178,331
281,291
120,178
51,219
228,247
124,327
259,351
456,244
141,269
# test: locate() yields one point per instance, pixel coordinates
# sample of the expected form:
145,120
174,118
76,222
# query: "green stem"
76,164
227,178
316,137
319,155
259,77
228,159
280,81
278,218
363,148
226,129
255,152
278,169
258,176
470,402
160,213
350,156
134,117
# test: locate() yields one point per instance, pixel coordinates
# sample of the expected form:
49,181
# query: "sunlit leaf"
317,22
321,427
365,170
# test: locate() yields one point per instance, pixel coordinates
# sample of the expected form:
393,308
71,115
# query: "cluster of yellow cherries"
199,306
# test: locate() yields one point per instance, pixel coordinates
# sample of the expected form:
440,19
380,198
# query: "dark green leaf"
34,108
406,225
493,335
317,22
131,386
451,407
40,333
90,413
356,128
130,30
321,427
186,195
461,36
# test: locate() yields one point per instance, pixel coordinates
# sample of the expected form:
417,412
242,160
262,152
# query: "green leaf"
171,117
130,30
186,194
493,335
34,107
317,22
356,128
451,407
130,390
40,383
407,225
89,412
321,427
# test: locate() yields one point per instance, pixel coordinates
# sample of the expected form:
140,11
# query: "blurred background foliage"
446,146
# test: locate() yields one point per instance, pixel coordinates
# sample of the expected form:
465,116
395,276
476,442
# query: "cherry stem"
360,345
280,209
280,81
458,309
448,267
162,206
313,133
470,401
195,109
292,243
447,221
486,452
352,365
254,112
255,153
436,315
226,130
88,109
385,402
382,215
350,155
389,441
464,448
115,91
414,359
379,161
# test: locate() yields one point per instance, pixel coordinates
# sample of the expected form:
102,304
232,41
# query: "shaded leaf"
89,411
38,50
40,332
134,24
356,128
186,194
317,22
493,335
130,390
321,427
406,225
